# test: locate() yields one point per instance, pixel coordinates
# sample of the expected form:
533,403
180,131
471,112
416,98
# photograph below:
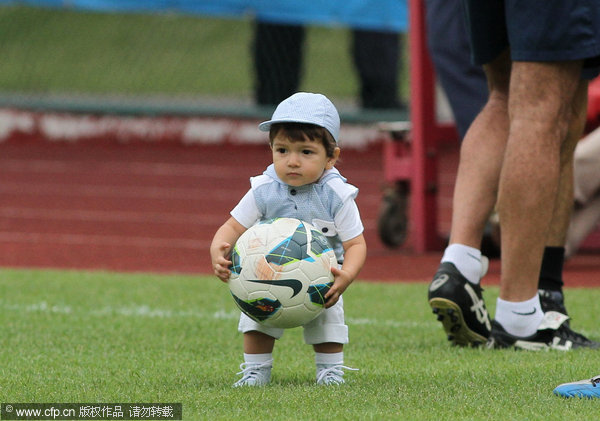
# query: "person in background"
277,52
517,155
377,60
586,215
465,85
462,81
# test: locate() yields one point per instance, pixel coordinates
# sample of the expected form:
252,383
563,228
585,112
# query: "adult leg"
277,51
550,282
587,188
587,168
539,110
377,57
454,294
564,201
583,223
481,157
544,119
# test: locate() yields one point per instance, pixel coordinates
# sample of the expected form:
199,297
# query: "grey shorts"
535,30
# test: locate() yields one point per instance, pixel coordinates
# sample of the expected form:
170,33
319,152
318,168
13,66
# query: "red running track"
154,207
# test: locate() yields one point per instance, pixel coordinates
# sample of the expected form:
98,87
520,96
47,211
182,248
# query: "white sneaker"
331,374
254,374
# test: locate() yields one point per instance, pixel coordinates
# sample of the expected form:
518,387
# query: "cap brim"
265,126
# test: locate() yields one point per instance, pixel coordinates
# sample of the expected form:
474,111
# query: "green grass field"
65,51
97,337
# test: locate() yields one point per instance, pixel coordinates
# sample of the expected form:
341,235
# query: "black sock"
552,268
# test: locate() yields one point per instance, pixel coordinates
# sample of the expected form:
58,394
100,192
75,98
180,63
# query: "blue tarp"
391,15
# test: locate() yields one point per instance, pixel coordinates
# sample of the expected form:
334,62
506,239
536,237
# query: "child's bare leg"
258,343
328,347
256,369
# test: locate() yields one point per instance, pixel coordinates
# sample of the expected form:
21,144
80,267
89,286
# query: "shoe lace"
250,370
567,333
335,371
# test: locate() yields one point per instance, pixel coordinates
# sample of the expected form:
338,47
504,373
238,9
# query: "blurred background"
128,129
201,56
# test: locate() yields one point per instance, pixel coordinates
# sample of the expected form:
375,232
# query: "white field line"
145,311
103,240
74,128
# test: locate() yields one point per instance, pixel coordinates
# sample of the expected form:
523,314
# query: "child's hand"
355,253
220,262
342,280
220,248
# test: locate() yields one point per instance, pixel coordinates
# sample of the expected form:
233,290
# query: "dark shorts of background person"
550,30
463,82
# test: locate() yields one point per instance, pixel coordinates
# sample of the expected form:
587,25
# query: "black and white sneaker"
459,305
554,301
551,334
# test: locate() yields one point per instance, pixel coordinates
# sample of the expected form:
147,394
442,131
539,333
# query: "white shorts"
329,326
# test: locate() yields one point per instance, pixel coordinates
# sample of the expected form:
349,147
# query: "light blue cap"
305,107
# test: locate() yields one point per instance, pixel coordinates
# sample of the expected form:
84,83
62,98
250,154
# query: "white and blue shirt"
328,204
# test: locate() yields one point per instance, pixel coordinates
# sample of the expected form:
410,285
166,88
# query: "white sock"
466,259
258,358
520,318
336,358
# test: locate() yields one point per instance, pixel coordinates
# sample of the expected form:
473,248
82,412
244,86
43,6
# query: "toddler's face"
301,162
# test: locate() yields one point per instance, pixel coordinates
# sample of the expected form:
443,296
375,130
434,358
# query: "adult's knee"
498,73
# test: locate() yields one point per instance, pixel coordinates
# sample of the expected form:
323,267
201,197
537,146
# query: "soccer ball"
280,272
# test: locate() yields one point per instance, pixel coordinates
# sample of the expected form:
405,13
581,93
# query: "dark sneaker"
551,334
459,305
554,301
578,340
